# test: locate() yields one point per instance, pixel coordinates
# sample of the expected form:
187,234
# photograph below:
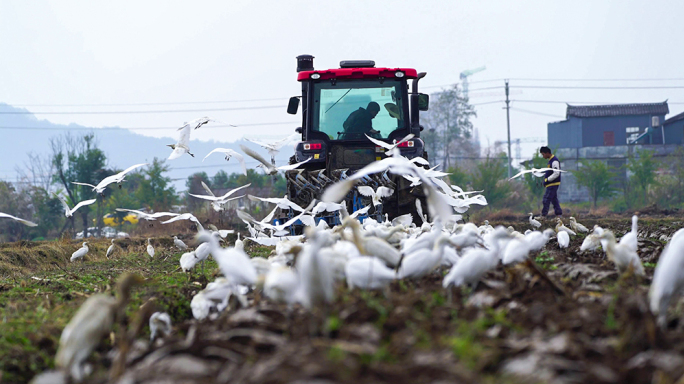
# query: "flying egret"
185,216
217,202
93,321
577,227
182,146
282,203
110,250
179,243
147,216
376,195
200,121
117,178
69,212
25,222
229,153
81,252
536,172
160,322
534,223
150,248
268,167
668,278
274,148
622,254
390,149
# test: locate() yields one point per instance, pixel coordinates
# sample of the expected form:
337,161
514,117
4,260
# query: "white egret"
117,178
282,203
563,239
179,243
577,227
423,261
536,172
217,202
186,216
160,323
93,321
561,227
668,278
110,250
281,284
214,298
81,252
25,222
234,263
229,153
268,167
475,262
534,223
368,272
376,195
390,148
593,241
150,248
274,148
69,212
622,255
630,238
147,216
315,275
182,146
188,261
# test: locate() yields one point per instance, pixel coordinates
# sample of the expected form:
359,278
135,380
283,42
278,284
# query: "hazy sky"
202,54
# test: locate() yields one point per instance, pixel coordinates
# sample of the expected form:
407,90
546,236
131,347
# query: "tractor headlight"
399,74
315,76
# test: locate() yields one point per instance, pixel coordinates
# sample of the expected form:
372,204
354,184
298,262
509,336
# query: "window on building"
633,133
608,138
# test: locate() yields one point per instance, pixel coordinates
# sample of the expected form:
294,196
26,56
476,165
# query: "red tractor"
339,108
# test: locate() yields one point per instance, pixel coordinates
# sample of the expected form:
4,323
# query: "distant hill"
24,133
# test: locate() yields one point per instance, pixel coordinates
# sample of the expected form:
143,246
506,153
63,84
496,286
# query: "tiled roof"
674,118
617,110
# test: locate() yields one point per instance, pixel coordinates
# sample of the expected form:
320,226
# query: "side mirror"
298,130
293,105
423,101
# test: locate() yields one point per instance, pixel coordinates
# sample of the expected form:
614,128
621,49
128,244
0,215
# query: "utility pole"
508,125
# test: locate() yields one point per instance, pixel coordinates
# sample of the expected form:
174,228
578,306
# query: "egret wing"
25,222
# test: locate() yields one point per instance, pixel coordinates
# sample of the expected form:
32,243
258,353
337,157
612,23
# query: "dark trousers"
551,197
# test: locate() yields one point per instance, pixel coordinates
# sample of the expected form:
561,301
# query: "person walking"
552,180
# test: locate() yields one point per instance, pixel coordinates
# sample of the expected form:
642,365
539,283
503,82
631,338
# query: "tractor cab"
341,106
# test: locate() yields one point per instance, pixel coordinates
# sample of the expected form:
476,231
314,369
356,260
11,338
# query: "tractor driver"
361,121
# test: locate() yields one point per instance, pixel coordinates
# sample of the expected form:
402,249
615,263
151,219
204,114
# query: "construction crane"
464,78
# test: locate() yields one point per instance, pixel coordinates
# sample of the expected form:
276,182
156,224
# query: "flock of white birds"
305,269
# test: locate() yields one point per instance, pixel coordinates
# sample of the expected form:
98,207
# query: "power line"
581,102
137,112
596,80
145,104
536,113
204,127
596,87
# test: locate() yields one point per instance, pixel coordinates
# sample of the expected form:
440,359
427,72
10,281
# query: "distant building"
610,133
610,125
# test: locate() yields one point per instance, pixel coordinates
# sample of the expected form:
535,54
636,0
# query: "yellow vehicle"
112,221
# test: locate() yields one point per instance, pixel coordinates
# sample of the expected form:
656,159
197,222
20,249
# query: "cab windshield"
346,110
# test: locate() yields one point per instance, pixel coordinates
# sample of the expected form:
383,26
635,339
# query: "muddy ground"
572,320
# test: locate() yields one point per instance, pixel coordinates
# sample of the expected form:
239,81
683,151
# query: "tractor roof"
357,73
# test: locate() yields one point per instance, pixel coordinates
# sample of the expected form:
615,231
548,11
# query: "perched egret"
368,272
622,254
160,322
150,248
179,243
534,223
577,227
630,238
81,252
563,239
593,241
234,263
93,320
475,262
423,261
110,250
561,227
668,278
188,261
281,284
